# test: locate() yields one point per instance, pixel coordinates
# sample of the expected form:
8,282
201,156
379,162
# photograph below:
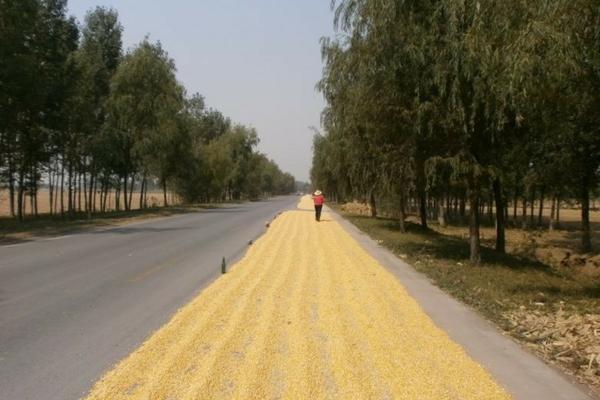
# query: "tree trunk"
35,192
557,224
515,204
70,202
31,201
35,201
541,210
372,205
95,191
50,190
20,195
90,193
79,192
143,185
165,202
11,195
441,215
56,191
103,192
491,208
500,223
101,197
531,207
423,208
131,191
86,203
401,213
421,193
117,198
125,179
463,205
62,187
146,195
11,188
552,214
474,242
524,211
455,211
586,239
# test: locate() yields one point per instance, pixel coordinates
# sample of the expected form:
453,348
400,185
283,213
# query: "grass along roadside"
555,313
14,231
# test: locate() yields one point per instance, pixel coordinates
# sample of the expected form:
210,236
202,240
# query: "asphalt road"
72,306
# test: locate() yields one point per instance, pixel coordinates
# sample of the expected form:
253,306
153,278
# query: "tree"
143,106
79,116
434,99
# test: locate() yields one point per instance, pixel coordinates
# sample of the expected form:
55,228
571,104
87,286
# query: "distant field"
155,199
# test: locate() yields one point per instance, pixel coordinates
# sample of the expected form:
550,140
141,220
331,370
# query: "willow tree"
371,104
419,87
583,141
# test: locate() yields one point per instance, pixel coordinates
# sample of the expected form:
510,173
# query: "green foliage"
432,99
82,118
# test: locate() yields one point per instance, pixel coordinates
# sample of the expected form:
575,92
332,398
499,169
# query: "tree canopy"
83,118
473,101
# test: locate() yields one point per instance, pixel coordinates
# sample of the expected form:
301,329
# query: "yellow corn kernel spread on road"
306,314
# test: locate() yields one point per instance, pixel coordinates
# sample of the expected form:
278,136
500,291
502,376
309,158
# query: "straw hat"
318,193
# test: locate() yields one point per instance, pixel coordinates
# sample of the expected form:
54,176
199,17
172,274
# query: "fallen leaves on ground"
571,341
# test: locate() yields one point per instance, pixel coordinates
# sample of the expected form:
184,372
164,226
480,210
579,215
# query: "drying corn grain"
306,314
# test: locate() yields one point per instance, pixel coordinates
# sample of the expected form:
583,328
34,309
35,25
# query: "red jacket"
319,200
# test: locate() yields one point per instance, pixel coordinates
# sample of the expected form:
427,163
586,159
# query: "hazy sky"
257,61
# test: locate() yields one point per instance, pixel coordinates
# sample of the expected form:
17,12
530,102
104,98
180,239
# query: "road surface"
72,306
311,313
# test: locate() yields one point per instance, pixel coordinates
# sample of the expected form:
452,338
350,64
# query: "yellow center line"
138,277
147,272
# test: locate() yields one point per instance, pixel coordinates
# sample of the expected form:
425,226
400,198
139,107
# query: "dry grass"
306,314
559,248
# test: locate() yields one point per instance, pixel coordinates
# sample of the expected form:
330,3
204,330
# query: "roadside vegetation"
472,106
83,122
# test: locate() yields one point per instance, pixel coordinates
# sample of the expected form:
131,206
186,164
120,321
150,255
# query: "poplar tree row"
439,106
86,120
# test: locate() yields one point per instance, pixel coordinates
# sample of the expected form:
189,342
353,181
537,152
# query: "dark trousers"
318,209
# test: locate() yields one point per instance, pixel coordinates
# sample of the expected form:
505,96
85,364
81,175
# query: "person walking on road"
319,199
